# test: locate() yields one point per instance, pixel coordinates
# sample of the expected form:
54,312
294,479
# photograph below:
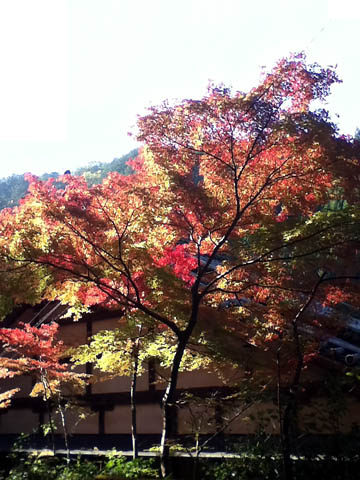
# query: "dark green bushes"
29,467
34,468
252,463
119,468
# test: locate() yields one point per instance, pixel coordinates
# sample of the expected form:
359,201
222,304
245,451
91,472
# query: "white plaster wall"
196,419
121,384
24,382
118,420
82,420
250,420
18,421
73,334
149,419
105,324
197,379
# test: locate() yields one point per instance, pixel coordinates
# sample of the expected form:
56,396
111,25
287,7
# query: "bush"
243,468
81,470
139,468
34,468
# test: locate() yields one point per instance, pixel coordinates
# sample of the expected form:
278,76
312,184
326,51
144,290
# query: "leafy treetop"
223,207
36,351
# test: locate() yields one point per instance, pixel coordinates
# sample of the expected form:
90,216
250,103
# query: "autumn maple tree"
36,351
223,218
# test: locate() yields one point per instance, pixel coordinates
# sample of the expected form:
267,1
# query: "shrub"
139,468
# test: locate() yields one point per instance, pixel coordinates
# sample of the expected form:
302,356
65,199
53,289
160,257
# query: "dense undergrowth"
252,466
31,467
332,457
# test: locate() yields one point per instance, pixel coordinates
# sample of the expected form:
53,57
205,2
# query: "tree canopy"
224,218
15,187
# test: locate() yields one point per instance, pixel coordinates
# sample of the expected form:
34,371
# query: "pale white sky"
75,73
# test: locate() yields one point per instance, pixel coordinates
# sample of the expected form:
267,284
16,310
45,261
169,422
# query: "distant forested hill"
15,187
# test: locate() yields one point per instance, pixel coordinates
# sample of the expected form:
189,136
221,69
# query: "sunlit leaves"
222,208
5,398
36,351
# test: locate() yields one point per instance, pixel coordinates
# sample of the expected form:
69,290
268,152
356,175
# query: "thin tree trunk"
63,422
294,387
287,420
291,405
169,395
64,426
47,401
134,438
284,446
167,403
133,411
197,453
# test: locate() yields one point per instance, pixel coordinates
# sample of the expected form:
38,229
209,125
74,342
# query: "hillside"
13,188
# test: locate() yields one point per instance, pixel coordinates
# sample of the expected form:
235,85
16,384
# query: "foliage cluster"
221,227
270,468
120,467
27,467
14,187
37,351
259,461
30,467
